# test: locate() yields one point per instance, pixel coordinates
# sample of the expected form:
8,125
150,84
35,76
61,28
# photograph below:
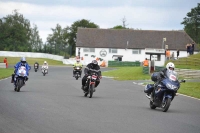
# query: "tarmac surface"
55,104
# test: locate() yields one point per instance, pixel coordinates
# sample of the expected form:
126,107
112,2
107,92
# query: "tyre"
76,76
19,85
91,90
86,94
15,88
166,104
43,74
35,70
152,106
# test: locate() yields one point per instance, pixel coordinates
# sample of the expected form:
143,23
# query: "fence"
145,70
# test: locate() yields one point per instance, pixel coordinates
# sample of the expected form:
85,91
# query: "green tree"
192,23
73,31
58,40
16,33
118,27
35,40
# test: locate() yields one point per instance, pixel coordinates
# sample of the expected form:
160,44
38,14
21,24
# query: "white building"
130,45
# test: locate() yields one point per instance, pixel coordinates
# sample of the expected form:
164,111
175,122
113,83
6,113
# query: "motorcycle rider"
77,64
45,64
169,69
91,67
37,64
24,63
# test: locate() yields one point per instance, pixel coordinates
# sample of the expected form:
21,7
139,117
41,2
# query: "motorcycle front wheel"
76,76
166,104
152,106
91,90
19,85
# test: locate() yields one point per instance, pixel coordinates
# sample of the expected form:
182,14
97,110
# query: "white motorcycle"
44,70
20,78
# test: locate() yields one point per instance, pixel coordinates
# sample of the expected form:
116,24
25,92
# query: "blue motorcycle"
163,92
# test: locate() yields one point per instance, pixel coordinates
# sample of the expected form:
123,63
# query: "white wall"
127,55
31,54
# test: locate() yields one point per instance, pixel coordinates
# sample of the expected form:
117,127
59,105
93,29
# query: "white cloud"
142,17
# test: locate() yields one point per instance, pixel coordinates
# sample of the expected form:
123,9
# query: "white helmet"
45,62
170,65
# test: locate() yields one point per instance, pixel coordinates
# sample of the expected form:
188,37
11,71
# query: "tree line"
17,34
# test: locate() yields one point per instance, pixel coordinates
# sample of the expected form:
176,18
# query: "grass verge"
4,73
135,73
127,73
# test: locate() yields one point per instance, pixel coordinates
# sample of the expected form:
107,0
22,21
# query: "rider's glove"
100,77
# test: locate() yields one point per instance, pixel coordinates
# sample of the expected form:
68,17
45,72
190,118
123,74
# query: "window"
111,50
89,50
136,51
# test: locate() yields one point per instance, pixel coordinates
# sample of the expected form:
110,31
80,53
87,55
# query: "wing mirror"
183,81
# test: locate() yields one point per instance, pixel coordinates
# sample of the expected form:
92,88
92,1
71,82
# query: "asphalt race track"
55,104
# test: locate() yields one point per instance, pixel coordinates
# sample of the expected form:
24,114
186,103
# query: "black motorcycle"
89,87
36,67
77,71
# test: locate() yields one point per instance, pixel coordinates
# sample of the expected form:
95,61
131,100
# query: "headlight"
172,87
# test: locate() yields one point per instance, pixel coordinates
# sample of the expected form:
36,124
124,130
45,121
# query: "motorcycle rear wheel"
166,104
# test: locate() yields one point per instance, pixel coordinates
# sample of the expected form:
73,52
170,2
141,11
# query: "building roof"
131,39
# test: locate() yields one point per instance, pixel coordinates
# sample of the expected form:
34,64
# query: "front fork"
167,95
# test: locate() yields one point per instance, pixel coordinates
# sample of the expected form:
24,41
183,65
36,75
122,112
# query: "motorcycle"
77,70
162,93
20,78
89,87
44,70
36,66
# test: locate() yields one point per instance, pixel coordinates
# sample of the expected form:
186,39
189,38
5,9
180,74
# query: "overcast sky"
141,14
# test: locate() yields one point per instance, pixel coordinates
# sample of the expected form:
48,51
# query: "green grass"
4,73
31,61
190,89
127,73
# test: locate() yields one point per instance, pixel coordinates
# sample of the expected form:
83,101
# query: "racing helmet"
23,60
170,66
45,62
94,62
